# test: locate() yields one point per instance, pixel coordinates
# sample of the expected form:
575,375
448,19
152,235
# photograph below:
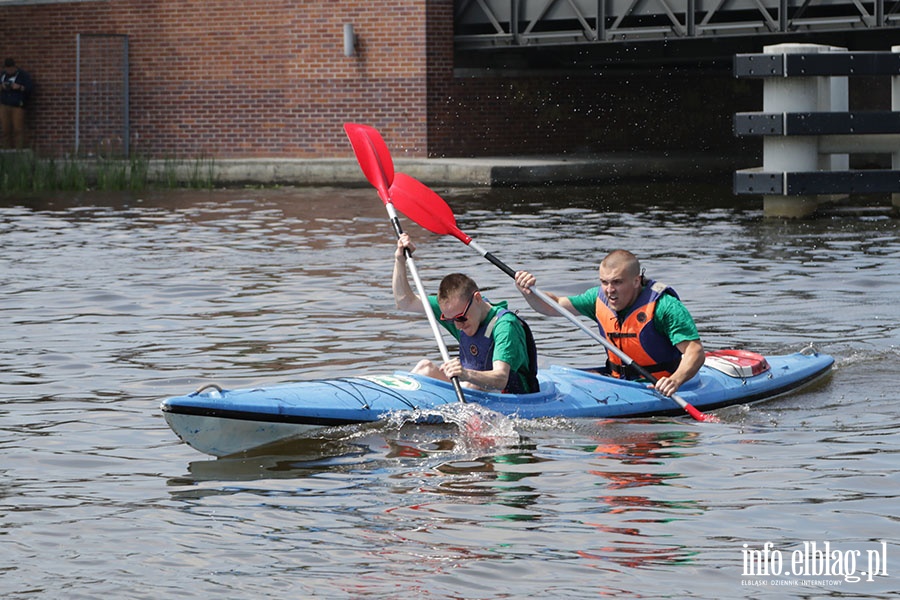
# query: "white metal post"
786,154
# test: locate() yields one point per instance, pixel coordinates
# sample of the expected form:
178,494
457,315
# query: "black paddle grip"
397,229
499,263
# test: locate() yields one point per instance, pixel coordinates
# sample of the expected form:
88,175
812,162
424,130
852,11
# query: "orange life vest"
633,333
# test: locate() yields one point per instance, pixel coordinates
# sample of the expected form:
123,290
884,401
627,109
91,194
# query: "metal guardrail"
498,23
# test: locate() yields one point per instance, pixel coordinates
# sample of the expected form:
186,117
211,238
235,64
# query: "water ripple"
114,301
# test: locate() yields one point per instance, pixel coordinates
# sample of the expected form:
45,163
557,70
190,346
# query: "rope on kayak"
207,386
355,384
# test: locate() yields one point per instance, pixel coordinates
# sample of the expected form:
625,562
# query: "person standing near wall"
15,86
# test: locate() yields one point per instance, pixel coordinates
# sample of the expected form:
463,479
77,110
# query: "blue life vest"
477,353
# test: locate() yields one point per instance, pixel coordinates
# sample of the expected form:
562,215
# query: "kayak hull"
223,422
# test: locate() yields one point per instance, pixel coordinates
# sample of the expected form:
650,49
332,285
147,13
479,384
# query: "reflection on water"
113,302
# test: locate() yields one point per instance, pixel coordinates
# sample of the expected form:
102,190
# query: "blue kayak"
224,422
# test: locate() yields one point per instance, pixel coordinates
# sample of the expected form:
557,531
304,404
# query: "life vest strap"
489,329
616,335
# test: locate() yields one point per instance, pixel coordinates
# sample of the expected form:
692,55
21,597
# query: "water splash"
478,426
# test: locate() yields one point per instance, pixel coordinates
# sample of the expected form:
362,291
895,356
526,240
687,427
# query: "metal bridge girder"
492,23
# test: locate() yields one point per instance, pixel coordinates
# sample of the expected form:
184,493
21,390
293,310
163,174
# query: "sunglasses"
461,317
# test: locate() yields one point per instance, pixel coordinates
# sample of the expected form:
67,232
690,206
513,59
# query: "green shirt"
509,336
671,318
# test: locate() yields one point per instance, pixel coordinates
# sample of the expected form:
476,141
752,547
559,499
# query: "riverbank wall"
470,172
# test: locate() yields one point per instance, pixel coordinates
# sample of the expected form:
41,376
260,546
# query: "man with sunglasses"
643,318
496,349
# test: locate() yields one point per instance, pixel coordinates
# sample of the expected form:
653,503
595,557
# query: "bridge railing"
492,23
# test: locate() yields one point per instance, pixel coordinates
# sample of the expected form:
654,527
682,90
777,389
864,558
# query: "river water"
112,302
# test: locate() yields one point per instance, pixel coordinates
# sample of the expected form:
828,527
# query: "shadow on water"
459,464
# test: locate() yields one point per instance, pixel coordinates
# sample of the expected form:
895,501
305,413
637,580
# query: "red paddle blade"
699,416
373,156
422,204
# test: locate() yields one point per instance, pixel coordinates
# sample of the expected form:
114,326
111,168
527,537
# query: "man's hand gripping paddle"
375,159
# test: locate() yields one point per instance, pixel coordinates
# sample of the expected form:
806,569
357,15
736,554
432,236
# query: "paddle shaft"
627,360
377,165
435,327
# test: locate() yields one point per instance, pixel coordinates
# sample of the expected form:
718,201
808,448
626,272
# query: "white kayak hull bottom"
222,436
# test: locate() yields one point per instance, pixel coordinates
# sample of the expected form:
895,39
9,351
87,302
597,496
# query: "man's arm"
525,280
493,380
404,297
692,358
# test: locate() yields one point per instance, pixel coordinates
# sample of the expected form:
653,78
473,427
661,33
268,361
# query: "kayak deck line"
243,415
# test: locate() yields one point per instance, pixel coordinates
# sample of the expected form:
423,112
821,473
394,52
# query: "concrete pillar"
895,106
793,153
834,96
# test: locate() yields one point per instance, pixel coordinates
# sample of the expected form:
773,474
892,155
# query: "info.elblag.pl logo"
813,563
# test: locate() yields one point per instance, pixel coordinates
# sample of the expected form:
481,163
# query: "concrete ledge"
468,172
268,172
454,172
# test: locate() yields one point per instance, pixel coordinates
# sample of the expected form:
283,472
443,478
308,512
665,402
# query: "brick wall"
236,79
230,78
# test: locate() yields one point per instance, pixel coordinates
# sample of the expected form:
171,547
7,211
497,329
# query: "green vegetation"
24,172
